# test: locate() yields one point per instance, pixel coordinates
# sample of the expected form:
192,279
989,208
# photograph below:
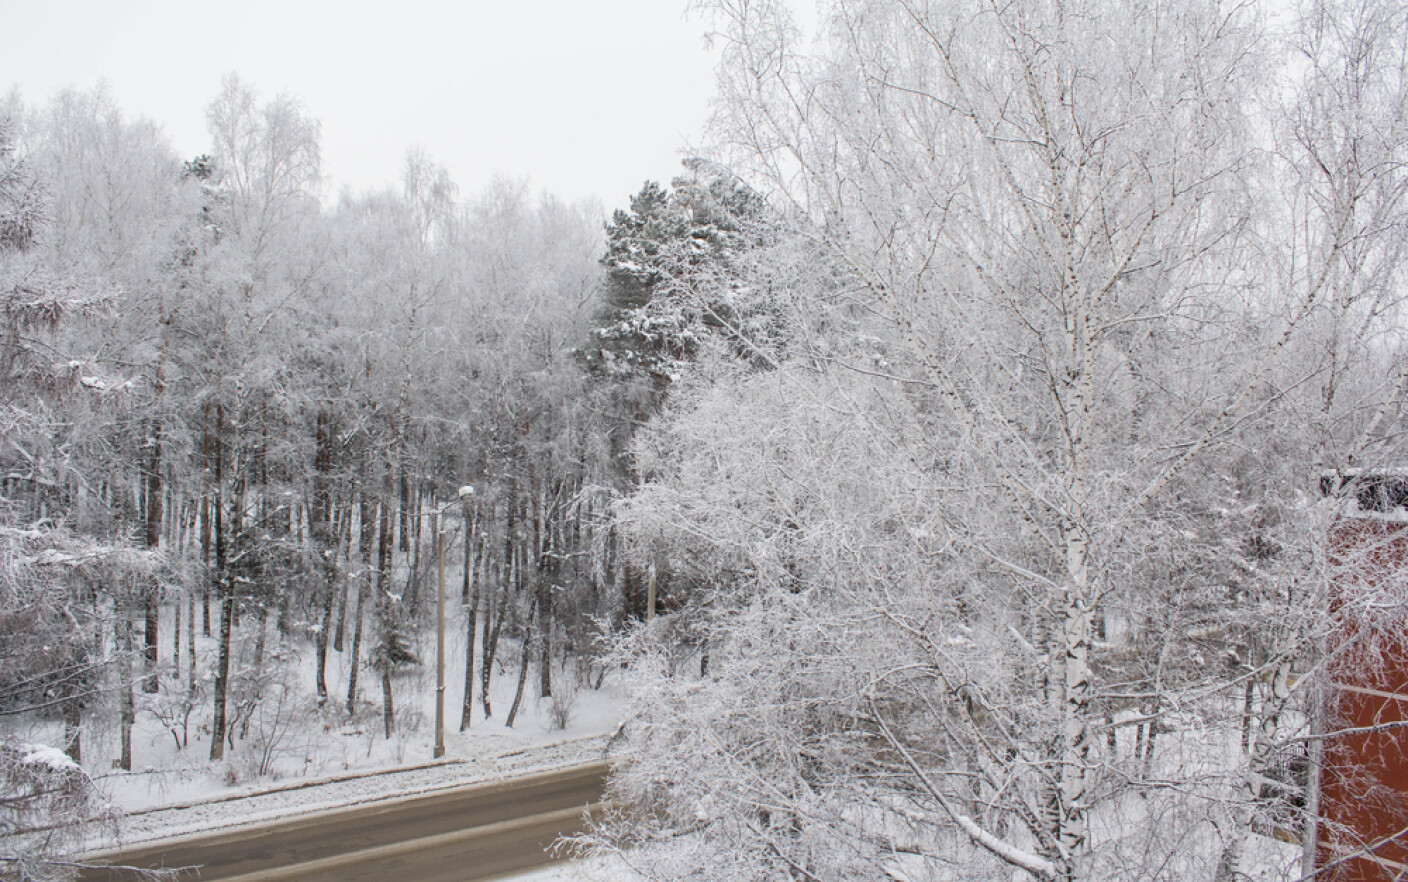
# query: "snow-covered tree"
52,582
1050,219
42,789
672,273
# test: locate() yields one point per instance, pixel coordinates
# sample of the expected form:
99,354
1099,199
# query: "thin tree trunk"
329,601
339,617
383,574
366,539
523,661
1233,856
324,545
404,510
222,676
191,640
388,710
223,591
206,516
176,640
494,615
545,646
344,538
128,710
355,659
546,572
152,493
469,592
73,729
261,623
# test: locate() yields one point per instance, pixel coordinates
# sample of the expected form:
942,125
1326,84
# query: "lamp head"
466,491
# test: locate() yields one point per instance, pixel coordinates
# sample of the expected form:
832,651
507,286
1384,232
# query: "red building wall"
1363,826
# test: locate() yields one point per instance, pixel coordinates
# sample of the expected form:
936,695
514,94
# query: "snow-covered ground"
589,870
293,756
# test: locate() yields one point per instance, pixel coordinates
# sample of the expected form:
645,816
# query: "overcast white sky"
584,97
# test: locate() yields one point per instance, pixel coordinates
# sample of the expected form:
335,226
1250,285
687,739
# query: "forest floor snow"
290,755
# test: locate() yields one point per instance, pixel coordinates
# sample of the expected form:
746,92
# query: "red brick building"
1363,783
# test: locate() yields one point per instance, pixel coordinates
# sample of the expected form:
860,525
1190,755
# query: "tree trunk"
73,729
523,660
355,659
191,640
339,617
404,510
1264,742
261,624
1073,679
329,601
383,574
365,543
322,535
494,613
469,592
547,574
128,711
152,494
176,640
344,538
222,676
388,710
545,647
206,515
223,591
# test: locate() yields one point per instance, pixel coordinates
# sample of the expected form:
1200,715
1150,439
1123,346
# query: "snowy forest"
944,467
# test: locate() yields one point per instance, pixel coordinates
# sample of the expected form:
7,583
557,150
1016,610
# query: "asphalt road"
467,833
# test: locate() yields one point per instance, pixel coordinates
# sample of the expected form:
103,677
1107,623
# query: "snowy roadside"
305,797
593,869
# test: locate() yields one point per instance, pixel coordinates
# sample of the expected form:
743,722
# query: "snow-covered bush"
46,800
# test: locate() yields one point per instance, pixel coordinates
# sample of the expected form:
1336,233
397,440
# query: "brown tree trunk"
176,640
388,710
469,592
191,641
206,516
523,661
404,510
223,593
321,533
383,574
545,573
152,494
128,711
343,532
73,729
329,601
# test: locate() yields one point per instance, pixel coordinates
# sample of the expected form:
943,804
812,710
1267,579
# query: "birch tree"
1049,210
1339,211
267,157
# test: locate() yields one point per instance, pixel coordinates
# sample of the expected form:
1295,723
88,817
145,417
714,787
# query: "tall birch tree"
1050,212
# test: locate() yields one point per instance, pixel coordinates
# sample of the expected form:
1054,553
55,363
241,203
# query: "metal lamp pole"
465,493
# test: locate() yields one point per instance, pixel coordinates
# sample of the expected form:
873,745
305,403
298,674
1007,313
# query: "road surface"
467,833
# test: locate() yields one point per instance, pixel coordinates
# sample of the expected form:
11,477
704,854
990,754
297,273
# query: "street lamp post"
465,493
